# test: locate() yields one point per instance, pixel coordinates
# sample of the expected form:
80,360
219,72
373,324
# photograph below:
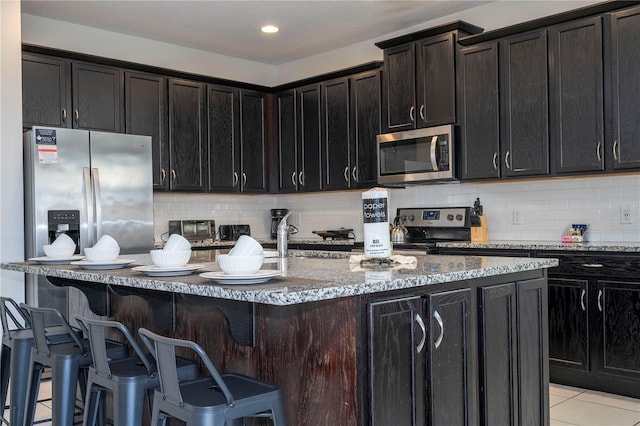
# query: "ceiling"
232,27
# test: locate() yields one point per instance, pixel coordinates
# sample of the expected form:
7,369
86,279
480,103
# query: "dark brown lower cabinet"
462,356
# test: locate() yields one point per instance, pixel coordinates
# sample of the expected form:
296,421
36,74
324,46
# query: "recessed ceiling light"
269,29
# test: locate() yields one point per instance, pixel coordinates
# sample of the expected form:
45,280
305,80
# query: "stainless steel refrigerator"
86,184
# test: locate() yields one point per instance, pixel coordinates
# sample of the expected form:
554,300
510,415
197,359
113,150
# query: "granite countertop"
309,276
624,247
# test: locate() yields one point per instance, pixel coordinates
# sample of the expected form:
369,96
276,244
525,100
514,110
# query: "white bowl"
177,242
106,242
246,246
168,259
94,254
64,240
60,250
240,265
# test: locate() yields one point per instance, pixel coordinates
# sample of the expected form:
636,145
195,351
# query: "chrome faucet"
282,235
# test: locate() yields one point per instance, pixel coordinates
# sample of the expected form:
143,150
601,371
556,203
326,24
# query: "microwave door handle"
434,161
87,240
95,175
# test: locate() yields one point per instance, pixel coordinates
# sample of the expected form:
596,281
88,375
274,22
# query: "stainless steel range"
428,225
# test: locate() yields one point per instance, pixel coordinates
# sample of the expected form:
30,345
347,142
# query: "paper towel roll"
375,216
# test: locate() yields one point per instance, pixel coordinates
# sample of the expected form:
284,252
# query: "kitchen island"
447,340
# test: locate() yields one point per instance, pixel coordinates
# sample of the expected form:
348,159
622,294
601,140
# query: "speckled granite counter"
623,247
301,282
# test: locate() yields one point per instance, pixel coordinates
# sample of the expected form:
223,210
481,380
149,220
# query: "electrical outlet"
517,216
625,215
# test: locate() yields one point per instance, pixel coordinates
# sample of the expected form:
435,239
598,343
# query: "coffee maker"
276,216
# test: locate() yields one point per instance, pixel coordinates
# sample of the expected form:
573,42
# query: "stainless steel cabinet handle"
412,111
293,178
235,178
506,159
495,159
354,173
97,195
88,204
422,112
424,333
301,178
244,179
64,115
77,114
582,295
615,150
173,175
438,318
346,174
598,153
163,175
600,300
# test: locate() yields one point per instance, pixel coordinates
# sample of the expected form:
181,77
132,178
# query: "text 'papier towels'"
375,216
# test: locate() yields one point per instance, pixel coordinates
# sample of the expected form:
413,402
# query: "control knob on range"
458,216
449,216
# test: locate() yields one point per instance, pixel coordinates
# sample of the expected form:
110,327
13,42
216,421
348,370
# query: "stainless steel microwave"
416,156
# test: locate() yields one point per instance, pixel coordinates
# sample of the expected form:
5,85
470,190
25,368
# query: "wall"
548,207
11,210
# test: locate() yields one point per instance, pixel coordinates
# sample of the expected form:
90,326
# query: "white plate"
259,277
46,260
174,271
112,264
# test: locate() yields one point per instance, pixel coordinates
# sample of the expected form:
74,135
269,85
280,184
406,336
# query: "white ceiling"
232,27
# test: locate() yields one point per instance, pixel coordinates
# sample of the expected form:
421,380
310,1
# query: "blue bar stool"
207,401
129,379
17,341
65,361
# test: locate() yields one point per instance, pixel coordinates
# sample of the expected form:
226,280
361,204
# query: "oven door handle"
432,152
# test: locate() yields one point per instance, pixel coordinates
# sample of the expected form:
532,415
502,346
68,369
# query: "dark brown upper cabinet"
97,97
287,141
419,84
253,143
146,113
187,135
224,146
576,113
524,117
336,173
622,38
478,115
46,91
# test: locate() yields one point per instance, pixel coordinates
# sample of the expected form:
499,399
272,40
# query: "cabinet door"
287,142
618,339
97,97
479,126
523,100
623,28
146,114
335,134
224,147
435,81
309,161
533,352
253,142
568,322
396,369
365,126
450,393
498,355
46,91
576,121
187,130
399,90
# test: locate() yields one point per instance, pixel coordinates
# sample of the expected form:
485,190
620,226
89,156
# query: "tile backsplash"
546,207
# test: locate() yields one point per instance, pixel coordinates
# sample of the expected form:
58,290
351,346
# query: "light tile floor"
569,407
579,407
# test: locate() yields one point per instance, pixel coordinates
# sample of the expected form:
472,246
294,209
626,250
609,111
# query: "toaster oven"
193,229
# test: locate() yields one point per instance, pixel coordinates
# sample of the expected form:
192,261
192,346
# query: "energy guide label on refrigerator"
46,141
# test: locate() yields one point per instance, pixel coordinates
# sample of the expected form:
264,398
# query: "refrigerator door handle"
95,177
88,204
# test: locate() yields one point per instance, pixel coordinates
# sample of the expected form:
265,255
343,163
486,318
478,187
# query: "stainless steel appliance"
426,226
193,229
416,156
86,184
276,217
233,232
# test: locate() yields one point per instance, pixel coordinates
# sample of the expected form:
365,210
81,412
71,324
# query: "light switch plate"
517,216
626,215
